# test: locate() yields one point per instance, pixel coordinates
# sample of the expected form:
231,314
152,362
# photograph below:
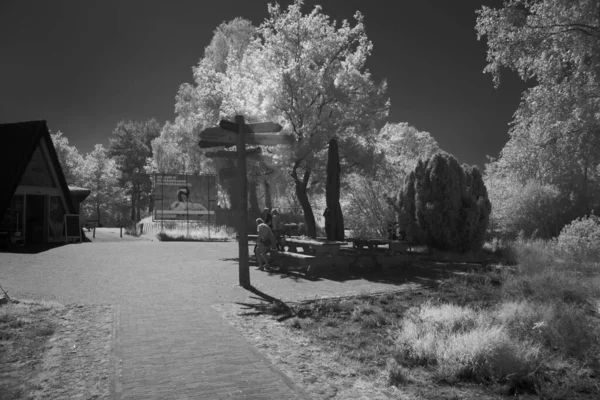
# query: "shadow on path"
273,306
32,249
289,273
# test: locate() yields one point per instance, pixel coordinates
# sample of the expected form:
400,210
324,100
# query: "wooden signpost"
254,153
239,134
214,137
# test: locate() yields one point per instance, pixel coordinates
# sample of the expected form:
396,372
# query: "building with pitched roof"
34,195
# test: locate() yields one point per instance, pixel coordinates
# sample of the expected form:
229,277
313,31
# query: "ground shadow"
289,273
193,240
31,249
423,272
428,273
236,259
267,305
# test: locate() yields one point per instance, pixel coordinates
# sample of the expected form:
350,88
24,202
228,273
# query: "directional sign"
250,153
230,126
204,144
259,127
215,137
269,139
218,135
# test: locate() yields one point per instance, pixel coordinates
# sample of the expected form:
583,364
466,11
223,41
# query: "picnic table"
312,253
290,229
395,246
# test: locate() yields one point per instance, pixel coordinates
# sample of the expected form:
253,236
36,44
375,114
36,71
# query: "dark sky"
85,65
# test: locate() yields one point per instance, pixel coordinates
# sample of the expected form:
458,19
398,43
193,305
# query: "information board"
184,197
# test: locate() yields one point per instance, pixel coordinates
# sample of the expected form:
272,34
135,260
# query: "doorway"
35,217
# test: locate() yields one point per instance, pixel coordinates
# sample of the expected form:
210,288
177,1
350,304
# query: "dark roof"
19,141
79,193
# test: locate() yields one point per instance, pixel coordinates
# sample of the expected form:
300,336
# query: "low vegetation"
25,328
49,350
530,324
178,230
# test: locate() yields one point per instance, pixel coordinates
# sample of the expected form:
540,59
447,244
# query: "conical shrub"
444,205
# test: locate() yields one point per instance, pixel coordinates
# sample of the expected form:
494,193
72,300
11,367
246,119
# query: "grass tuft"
462,343
396,374
295,323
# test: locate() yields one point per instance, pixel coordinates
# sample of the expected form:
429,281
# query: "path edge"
115,357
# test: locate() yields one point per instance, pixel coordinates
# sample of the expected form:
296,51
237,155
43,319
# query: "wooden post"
94,234
244,268
121,232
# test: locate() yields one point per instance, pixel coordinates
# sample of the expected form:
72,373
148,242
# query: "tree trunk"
301,185
334,220
268,198
137,206
586,204
98,211
133,203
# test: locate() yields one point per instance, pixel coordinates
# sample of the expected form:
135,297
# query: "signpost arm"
243,206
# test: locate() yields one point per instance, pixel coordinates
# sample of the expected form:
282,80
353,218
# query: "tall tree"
403,146
71,161
102,178
130,146
201,104
309,74
555,134
400,147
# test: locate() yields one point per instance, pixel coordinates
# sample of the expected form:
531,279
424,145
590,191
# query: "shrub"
367,212
502,251
558,326
460,342
444,205
550,285
581,238
543,277
535,209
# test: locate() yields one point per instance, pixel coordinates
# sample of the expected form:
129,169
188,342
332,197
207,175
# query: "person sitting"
266,241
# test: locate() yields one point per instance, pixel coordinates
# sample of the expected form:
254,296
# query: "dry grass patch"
463,343
344,348
48,350
181,231
530,330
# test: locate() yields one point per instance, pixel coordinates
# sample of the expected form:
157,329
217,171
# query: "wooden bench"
354,258
289,259
251,238
371,244
399,247
91,223
395,246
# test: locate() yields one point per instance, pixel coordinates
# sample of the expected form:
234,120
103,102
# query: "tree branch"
306,176
294,173
571,27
